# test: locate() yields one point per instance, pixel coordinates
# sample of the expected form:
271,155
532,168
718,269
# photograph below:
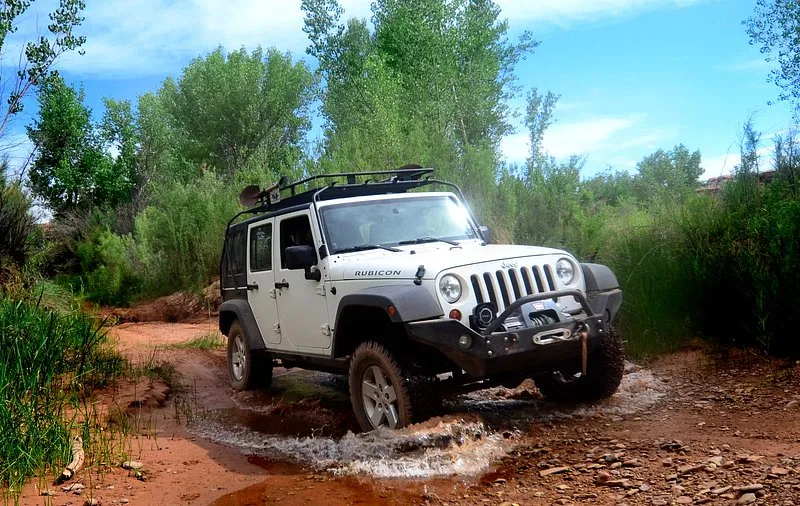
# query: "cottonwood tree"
226,108
37,56
72,169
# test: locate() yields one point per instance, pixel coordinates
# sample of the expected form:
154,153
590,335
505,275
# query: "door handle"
252,286
282,284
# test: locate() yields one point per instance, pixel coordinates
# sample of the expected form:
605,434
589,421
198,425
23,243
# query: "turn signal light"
455,314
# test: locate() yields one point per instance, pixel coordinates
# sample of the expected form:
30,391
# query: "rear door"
261,282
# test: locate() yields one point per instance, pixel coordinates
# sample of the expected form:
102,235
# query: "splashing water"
425,450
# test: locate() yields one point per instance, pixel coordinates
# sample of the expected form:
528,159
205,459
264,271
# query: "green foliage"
109,268
225,109
71,170
179,236
40,55
16,223
774,26
49,365
672,174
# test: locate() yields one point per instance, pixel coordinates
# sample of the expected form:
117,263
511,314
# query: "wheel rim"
238,364
379,398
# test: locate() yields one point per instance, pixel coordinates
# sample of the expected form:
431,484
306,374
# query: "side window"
261,248
295,232
233,262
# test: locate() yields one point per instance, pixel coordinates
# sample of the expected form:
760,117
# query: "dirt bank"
684,430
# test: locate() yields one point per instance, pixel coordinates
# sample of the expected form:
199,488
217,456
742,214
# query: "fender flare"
602,289
239,309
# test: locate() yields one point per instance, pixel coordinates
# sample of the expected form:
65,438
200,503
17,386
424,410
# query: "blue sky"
633,75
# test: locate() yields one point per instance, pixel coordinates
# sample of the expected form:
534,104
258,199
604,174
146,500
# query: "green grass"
51,363
210,341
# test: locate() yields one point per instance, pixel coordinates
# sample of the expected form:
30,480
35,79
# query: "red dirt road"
717,428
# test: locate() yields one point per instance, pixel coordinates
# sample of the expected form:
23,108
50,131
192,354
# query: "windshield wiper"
422,240
363,247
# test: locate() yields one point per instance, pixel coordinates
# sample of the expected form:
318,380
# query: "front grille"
503,287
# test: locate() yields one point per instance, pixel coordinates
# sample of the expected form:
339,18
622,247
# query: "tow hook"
584,335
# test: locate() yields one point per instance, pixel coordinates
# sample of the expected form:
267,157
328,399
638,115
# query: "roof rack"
395,181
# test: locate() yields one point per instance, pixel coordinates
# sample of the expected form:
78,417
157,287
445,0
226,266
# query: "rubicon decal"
377,273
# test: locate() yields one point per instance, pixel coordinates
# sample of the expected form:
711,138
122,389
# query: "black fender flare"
239,309
602,289
411,303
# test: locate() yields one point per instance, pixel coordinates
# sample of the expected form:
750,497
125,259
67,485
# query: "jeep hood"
435,257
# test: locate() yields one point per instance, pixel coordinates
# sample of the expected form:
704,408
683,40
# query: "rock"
747,499
690,468
553,470
780,471
684,499
132,465
47,492
602,478
123,500
666,462
791,404
753,487
671,477
75,488
644,487
619,483
500,481
721,490
91,502
717,461
632,463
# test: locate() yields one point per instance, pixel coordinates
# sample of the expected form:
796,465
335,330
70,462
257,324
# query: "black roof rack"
356,184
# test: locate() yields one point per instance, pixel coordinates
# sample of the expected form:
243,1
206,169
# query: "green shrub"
179,236
108,266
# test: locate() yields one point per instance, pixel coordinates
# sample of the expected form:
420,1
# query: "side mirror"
303,257
485,232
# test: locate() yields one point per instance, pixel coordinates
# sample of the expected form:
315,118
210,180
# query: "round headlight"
565,271
450,287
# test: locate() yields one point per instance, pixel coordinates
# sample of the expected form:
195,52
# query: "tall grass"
50,364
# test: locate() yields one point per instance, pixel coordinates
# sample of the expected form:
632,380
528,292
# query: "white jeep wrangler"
402,291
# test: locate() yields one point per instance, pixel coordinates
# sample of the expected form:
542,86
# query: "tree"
669,172
71,169
39,56
774,26
226,108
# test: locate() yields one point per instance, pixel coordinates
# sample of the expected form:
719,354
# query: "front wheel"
247,369
379,390
604,369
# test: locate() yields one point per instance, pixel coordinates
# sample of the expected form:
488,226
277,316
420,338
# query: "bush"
179,236
108,268
16,224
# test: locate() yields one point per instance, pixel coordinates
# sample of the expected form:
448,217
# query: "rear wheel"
379,390
604,368
248,369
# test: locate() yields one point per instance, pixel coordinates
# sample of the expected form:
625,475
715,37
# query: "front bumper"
495,351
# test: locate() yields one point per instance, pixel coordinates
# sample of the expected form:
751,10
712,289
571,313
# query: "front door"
261,282
302,305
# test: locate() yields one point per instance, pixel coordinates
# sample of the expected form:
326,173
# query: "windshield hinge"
420,273
277,328
272,294
321,290
326,330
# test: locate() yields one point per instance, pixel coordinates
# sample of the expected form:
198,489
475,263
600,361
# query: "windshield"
378,223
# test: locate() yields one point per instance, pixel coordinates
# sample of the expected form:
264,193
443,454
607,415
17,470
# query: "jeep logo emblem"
509,265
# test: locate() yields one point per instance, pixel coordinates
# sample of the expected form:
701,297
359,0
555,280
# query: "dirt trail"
683,430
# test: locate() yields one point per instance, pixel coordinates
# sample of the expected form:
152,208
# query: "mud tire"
368,356
247,369
604,369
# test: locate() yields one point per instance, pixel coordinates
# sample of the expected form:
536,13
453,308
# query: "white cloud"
719,165
757,64
516,148
583,137
129,38
566,12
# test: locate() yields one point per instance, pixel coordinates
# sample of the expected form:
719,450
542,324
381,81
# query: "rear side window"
261,248
233,259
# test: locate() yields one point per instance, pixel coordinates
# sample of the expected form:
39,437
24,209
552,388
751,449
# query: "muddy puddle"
306,419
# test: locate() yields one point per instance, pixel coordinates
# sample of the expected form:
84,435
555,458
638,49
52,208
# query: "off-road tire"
247,369
371,355
604,368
